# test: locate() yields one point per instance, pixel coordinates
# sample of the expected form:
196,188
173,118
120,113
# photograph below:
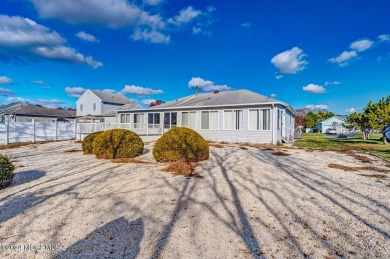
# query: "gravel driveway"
250,204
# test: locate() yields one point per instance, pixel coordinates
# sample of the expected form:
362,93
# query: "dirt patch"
356,168
130,160
18,145
244,148
182,168
361,158
216,145
379,176
280,153
73,150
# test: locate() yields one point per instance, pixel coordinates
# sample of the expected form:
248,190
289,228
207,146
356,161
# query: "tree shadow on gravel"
116,239
27,176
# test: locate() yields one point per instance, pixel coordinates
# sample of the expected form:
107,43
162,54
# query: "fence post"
56,130
33,130
75,129
7,131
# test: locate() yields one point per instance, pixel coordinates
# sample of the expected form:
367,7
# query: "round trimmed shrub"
181,144
88,141
117,143
6,172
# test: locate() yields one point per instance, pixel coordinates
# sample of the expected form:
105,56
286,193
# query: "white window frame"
201,128
181,119
125,115
260,110
223,119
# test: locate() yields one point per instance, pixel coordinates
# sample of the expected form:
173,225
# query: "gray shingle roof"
131,106
111,98
28,109
237,97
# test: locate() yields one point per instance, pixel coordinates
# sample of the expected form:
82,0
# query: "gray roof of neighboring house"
340,117
111,98
131,106
28,109
225,98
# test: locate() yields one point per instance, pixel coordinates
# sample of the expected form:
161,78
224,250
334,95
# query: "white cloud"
344,57
206,85
150,36
332,83
51,103
361,45
86,36
246,25
148,101
38,82
315,89
139,90
185,16
350,110
75,91
6,92
317,107
4,80
290,61
384,37
23,38
273,95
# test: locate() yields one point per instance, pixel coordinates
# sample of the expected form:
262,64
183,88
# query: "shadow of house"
27,176
117,239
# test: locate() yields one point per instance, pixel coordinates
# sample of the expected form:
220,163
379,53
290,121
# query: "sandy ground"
250,204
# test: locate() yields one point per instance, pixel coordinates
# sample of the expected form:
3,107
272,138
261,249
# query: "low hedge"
181,144
87,144
6,172
117,143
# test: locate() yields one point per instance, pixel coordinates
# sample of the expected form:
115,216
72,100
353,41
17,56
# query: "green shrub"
88,141
118,143
6,172
181,144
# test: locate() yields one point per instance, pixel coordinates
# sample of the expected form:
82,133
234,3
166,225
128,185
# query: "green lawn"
319,140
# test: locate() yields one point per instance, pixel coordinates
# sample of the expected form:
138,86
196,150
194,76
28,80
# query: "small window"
188,120
81,107
209,120
94,106
153,118
125,118
233,120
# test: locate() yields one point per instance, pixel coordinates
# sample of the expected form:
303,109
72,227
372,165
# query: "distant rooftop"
29,109
111,98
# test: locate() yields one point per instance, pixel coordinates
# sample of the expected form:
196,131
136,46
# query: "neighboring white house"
232,116
102,104
335,122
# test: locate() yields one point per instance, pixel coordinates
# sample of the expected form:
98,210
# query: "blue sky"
318,54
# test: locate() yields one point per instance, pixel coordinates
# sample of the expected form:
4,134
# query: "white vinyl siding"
125,118
233,120
209,120
188,119
260,119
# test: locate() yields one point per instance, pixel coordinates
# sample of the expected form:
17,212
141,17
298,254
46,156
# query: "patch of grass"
320,141
182,168
280,153
73,150
129,160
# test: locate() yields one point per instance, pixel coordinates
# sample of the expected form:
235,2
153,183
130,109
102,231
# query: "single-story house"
111,116
238,116
335,123
21,112
102,104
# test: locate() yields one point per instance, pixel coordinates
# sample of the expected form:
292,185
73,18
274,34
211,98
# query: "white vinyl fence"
17,132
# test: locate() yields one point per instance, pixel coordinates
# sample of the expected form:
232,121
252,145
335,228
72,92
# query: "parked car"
330,131
342,136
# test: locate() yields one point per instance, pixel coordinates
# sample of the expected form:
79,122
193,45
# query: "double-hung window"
209,120
260,119
188,120
154,118
233,120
